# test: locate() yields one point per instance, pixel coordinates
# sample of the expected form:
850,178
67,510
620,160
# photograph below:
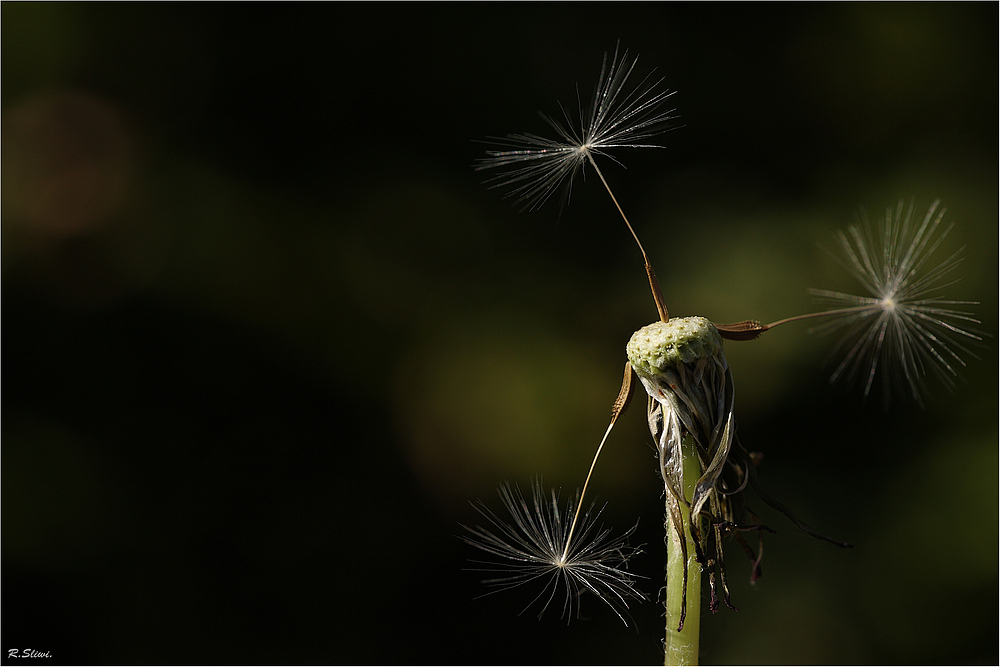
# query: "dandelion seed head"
682,340
540,545
904,330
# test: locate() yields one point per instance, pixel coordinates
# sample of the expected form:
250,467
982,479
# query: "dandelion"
543,543
691,397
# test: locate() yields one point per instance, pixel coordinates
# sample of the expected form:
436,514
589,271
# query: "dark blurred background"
267,334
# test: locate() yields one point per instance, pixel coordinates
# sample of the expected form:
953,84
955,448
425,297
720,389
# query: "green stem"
681,648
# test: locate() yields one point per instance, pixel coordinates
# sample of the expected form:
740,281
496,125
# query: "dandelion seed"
904,326
544,544
536,166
